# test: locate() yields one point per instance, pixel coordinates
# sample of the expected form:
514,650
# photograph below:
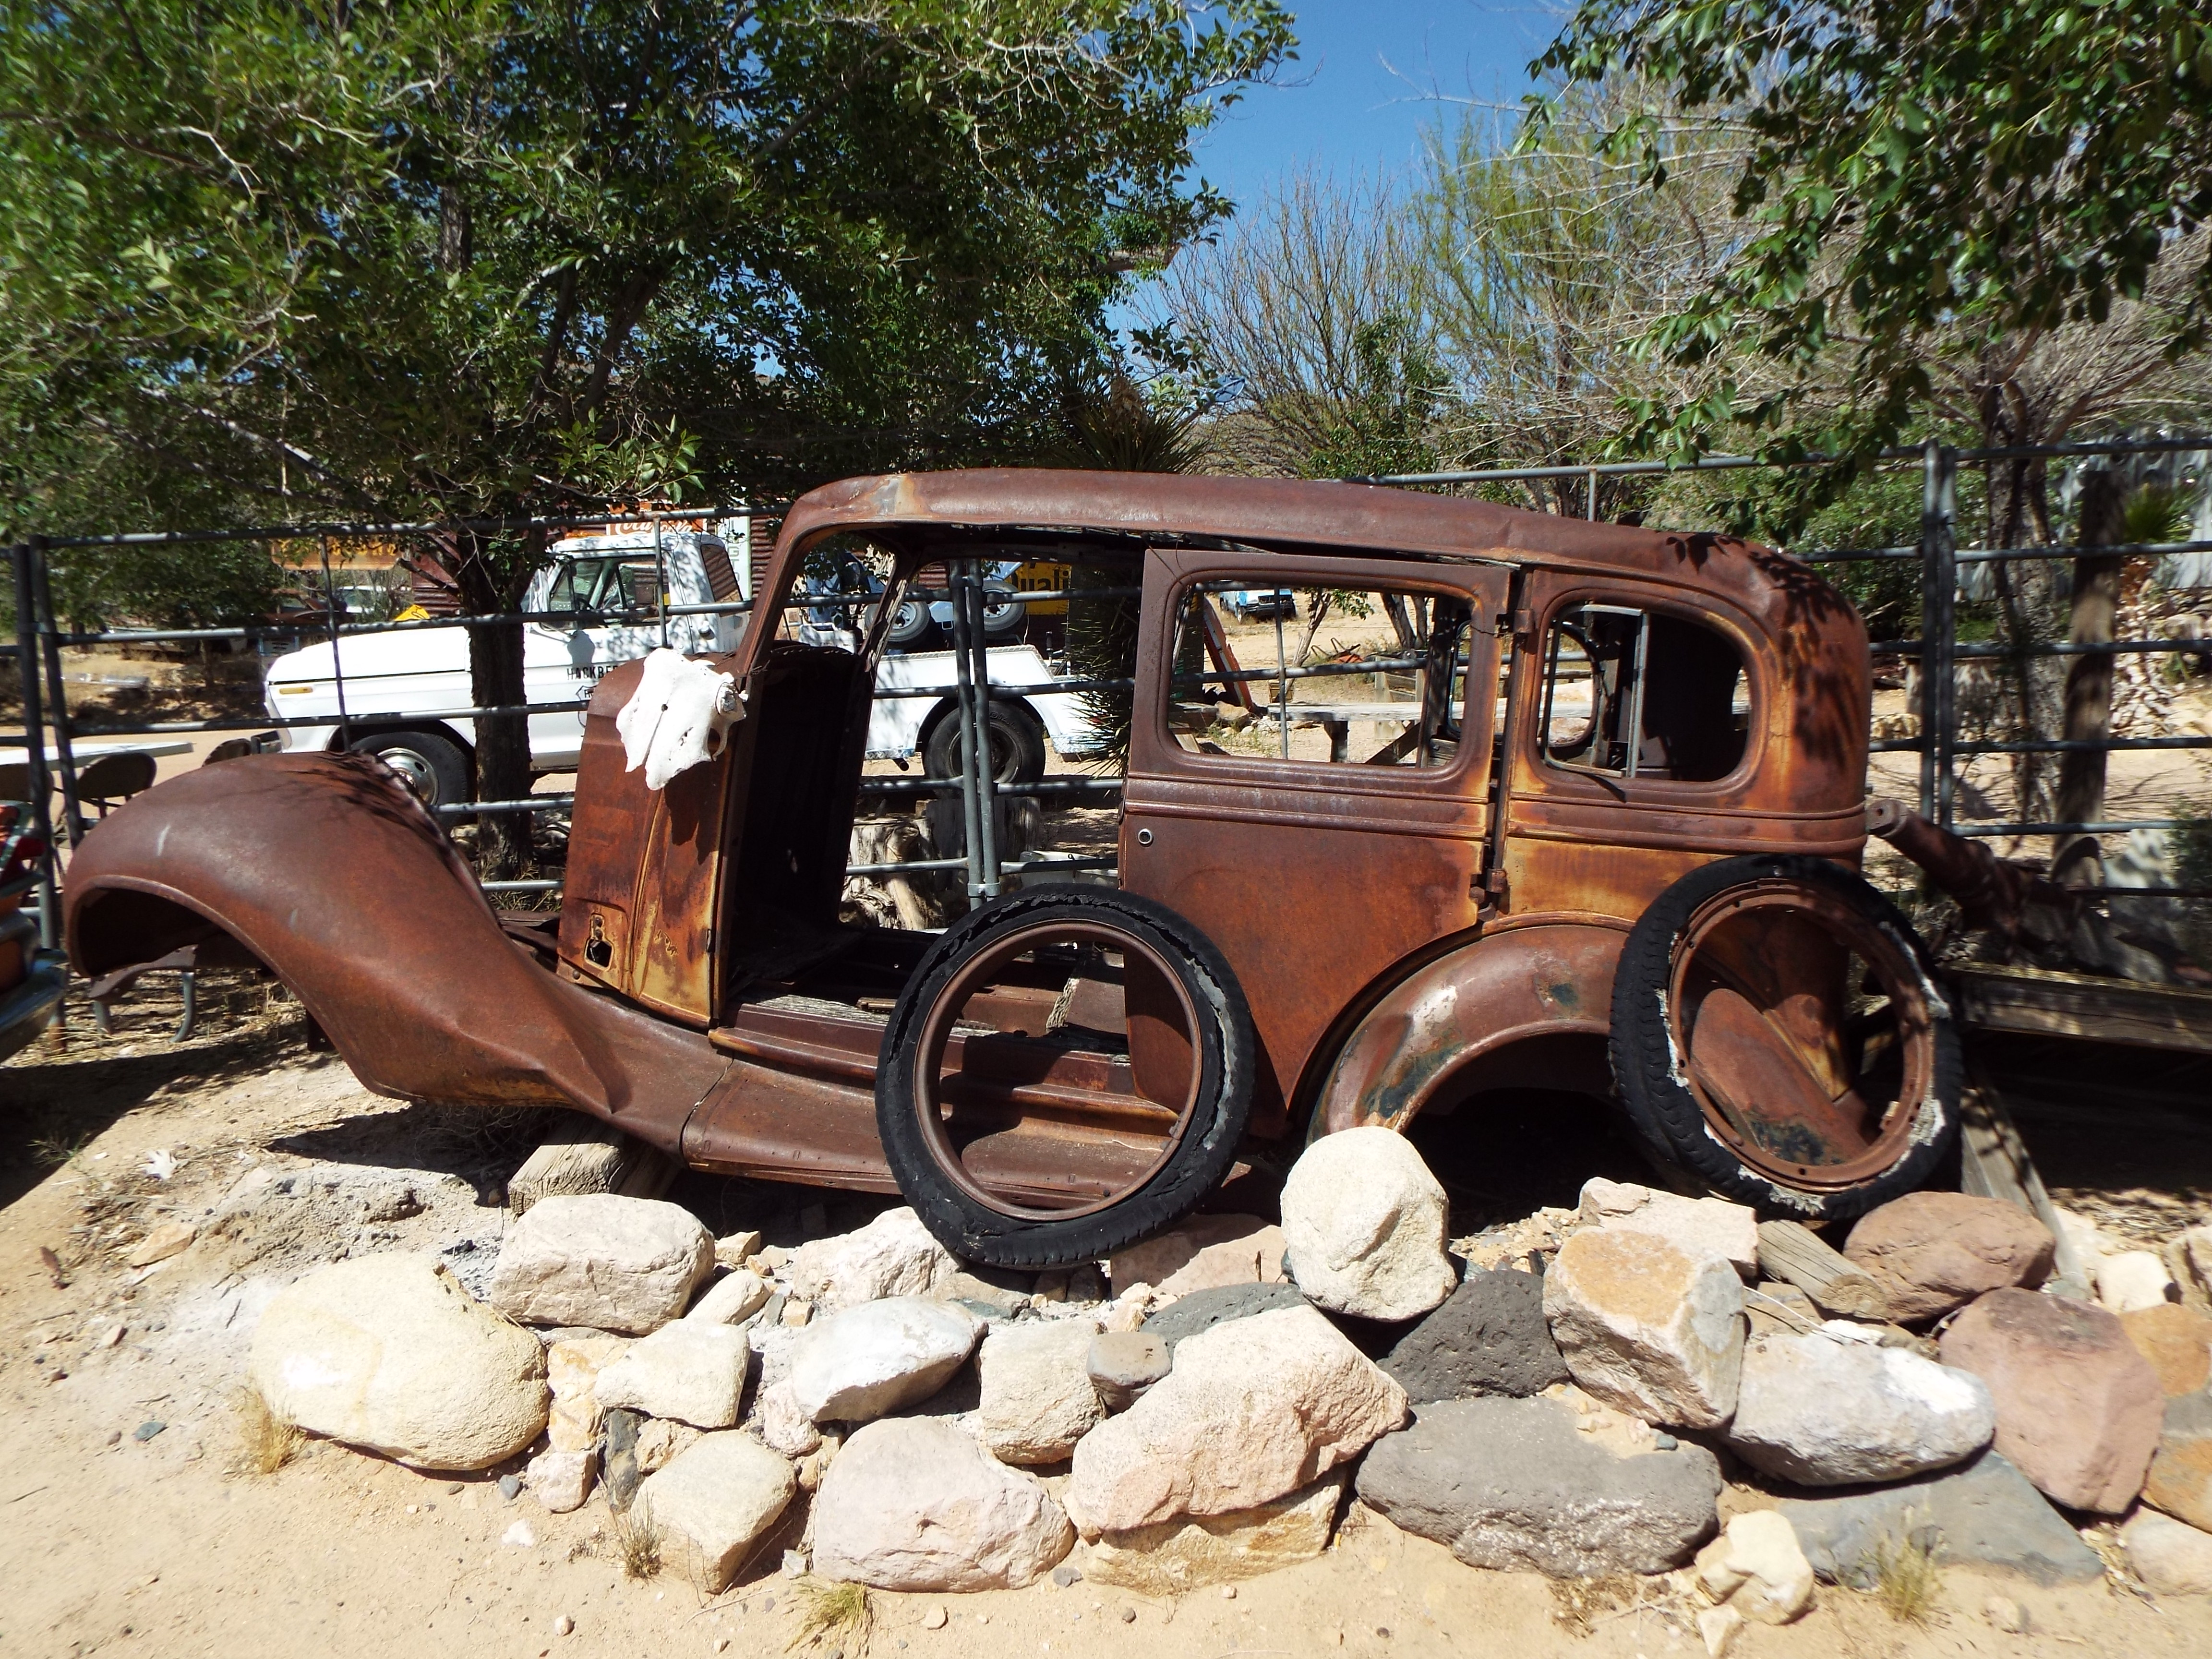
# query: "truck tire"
1006,615
1165,1170
1747,993
433,767
1016,743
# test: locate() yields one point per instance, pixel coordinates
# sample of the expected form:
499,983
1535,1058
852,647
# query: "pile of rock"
1200,1410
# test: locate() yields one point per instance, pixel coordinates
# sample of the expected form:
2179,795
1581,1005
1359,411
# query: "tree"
492,257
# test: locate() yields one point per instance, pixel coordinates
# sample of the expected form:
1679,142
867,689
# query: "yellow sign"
1039,577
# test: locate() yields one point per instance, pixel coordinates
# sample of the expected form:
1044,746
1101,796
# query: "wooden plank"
584,1157
2043,1003
1794,1254
1994,1163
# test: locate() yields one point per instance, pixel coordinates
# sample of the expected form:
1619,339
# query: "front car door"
1341,828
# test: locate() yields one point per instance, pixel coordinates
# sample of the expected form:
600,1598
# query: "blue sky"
1365,83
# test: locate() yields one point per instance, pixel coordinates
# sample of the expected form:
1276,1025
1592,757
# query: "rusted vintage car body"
1402,936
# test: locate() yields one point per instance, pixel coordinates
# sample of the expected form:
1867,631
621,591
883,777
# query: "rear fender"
326,871
1543,980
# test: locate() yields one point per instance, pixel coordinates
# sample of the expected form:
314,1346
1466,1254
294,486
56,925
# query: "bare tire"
1067,1071
1017,744
1778,1032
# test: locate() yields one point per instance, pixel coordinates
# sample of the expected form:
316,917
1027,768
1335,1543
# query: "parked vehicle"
32,980
597,598
1261,603
1607,837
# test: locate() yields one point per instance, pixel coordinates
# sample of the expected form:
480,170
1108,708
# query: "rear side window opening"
1633,693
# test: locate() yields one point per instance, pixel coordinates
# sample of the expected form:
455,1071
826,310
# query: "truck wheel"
1005,614
433,766
1777,1031
1066,1073
1017,744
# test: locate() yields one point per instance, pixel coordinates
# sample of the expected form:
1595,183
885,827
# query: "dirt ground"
127,1526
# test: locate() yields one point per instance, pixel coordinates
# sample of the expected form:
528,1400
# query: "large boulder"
2177,1343
1824,1412
1173,1558
1201,1310
2171,1557
1648,1327
1933,1252
2078,1408
868,1360
572,1372
718,1496
893,1255
1364,1225
1513,1484
598,1259
1205,1252
912,1503
1036,1396
389,1353
690,1372
1697,1225
1251,1411
1985,1514
1488,1338
2180,1478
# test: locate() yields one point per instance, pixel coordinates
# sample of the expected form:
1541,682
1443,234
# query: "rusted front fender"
1541,979
330,873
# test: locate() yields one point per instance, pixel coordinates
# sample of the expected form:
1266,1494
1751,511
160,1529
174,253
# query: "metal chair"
112,779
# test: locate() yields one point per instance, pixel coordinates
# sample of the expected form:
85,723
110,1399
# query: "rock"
1488,1338
1172,1558
933,1620
1757,1568
520,1536
388,1353
562,1480
1037,1398
1512,1484
1774,1307
870,1359
170,1238
1718,1628
564,1626
1205,1251
2134,1279
510,1488
620,1467
2177,1343
2005,1613
690,1370
912,1503
1616,1431
598,1259
660,1442
717,1497
1122,1364
812,1468
1251,1411
1064,1577
796,1314
1984,1514
1000,1296
783,1426
2171,1557
1648,1327
893,1255
1696,1226
1201,1310
2078,1408
1822,1412
1363,1227
2180,1478
1933,1252
572,1367
2189,1258
737,1249
1521,1244
732,1298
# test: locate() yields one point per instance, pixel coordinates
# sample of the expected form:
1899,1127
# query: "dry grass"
1582,1603
831,1614
265,1443
638,1541
1904,1579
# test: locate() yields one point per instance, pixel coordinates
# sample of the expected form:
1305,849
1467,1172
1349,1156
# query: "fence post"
2075,859
50,629
34,739
1939,591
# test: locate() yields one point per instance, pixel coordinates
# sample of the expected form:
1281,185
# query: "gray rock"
1488,1338
1823,1411
1986,1514
1201,1310
620,1473
1512,1484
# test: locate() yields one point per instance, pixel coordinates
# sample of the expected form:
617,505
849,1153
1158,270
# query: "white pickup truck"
400,686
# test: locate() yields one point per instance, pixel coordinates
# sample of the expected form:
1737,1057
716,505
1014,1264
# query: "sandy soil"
110,1542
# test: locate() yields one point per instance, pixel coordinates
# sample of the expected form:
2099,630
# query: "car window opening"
1631,693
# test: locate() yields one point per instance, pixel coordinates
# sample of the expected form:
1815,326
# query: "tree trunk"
503,839
2077,860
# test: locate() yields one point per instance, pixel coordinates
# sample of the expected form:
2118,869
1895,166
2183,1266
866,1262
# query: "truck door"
1340,828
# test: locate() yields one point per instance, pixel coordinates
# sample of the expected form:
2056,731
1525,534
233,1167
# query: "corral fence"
47,782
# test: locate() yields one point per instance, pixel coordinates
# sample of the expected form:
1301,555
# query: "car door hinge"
1524,627
1488,889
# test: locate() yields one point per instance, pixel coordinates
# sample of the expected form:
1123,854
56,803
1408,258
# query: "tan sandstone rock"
1647,1327
1205,1251
2177,1343
1173,1558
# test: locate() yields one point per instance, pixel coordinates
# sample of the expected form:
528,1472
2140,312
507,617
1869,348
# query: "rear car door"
1341,828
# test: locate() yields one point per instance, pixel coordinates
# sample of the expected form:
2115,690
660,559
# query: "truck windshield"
593,588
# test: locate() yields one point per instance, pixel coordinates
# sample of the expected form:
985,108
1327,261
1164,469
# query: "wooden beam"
585,1157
